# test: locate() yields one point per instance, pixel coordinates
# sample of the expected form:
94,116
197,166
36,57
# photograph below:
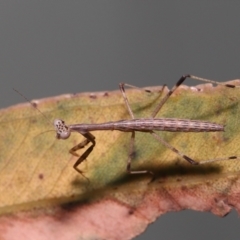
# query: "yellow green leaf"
36,168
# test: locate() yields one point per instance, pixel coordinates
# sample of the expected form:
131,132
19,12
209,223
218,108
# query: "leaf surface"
36,168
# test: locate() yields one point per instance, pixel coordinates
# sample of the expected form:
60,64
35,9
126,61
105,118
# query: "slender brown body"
152,124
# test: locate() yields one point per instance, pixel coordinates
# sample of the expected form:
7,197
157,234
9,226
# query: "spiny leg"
190,160
89,138
179,82
79,146
122,89
130,156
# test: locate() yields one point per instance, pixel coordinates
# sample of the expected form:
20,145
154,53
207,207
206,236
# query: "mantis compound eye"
62,130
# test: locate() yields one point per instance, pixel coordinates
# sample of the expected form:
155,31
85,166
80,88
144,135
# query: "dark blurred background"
49,48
